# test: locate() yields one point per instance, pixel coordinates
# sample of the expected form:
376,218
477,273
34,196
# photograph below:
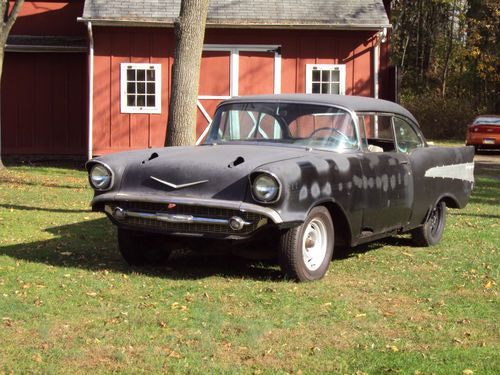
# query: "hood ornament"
174,186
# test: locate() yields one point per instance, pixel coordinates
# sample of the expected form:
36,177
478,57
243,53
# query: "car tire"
431,232
306,250
140,248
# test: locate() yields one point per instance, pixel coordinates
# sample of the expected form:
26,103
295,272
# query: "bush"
440,118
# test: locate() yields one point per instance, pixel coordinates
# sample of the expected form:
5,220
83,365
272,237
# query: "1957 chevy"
309,173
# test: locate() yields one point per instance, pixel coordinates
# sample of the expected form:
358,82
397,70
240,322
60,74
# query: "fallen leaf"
392,348
467,372
91,294
489,284
174,354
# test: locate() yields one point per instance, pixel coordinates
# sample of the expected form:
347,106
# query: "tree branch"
11,17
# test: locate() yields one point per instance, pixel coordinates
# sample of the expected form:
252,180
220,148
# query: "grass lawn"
69,304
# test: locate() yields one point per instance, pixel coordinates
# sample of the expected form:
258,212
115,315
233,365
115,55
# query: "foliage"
69,304
449,48
441,118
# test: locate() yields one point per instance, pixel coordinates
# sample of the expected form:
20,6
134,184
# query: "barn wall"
43,104
114,131
44,95
49,18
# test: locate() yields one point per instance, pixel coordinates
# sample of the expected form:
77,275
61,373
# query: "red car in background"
484,132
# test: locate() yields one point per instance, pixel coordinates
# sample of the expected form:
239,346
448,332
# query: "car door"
387,178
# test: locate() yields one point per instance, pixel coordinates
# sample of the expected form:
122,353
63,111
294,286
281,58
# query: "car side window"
376,130
407,139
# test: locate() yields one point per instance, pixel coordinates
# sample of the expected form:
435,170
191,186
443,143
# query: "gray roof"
337,14
352,102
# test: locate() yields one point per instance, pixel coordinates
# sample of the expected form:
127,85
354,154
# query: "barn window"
325,79
140,88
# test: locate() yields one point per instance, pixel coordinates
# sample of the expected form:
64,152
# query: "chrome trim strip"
172,218
174,186
235,205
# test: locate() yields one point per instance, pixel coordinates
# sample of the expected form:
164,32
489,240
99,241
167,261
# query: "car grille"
199,211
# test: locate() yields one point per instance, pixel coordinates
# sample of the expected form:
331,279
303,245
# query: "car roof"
355,103
487,116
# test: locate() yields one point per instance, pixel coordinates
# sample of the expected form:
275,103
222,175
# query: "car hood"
208,172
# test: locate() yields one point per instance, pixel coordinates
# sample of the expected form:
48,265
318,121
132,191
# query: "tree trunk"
189,35
6,22
2,43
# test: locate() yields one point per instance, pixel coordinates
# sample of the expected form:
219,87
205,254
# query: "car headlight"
100,177
265,188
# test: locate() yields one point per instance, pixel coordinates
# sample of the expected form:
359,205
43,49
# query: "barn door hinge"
276,50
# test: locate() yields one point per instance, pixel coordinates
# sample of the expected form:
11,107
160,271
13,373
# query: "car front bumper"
185,215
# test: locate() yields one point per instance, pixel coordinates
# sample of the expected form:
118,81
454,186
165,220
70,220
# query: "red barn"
251,47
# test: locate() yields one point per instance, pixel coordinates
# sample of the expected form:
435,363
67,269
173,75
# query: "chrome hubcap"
314,244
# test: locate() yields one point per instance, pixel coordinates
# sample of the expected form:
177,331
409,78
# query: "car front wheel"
306,250
431,232
140,248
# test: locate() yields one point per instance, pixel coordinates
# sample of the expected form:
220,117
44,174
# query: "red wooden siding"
49,18
114,131
256,73
43,104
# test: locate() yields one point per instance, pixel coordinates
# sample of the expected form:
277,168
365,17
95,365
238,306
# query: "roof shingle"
367,14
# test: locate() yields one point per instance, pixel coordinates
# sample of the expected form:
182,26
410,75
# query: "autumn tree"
447,52
189,36
8,18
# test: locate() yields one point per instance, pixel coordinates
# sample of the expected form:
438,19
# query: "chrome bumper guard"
236,223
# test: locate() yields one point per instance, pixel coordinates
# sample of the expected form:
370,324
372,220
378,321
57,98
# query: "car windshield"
487,120
308,125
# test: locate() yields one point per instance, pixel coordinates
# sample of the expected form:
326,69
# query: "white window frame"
125,108
311,67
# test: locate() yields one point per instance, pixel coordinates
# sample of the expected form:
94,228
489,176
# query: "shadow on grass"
45,162
92,245
371,246
29,208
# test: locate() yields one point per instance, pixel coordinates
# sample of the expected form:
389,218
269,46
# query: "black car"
307,174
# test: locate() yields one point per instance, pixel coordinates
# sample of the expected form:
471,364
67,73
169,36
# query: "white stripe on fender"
463,171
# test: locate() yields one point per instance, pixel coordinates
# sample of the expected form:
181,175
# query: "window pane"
316,75
151,88
334,88
335,76
141,100
316,88
151,75
150,100
383,128
130,75
325,88
325,76
141,88
131,100
131,88
141,75
406,137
